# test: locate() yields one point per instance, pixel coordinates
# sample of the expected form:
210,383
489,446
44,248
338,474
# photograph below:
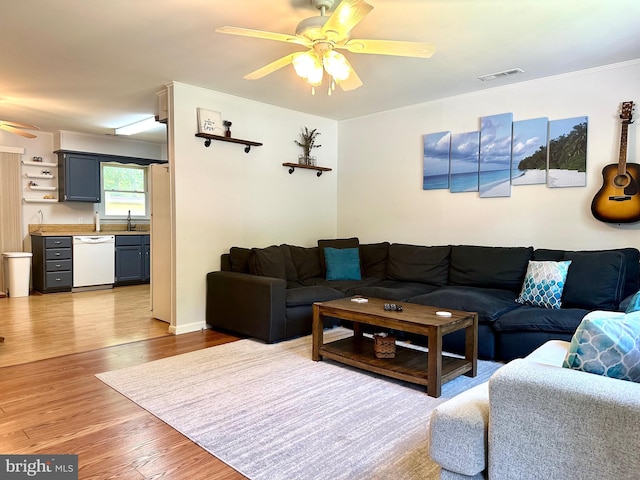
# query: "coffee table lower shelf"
409,364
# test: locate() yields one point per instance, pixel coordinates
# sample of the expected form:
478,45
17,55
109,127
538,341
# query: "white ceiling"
91,66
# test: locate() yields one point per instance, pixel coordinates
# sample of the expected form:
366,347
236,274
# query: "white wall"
380,194
224,197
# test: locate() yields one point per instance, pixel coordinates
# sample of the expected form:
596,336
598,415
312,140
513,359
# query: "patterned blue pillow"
543,284
634,304
607,343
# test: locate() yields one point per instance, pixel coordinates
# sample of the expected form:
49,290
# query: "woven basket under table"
384,346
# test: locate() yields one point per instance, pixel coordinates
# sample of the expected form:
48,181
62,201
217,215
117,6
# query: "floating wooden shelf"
38,187
293,166
39,164
247,143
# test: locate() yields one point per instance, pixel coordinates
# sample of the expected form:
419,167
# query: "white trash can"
17,273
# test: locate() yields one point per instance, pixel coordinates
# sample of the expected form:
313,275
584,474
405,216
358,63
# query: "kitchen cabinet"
52,263
132,259
78,177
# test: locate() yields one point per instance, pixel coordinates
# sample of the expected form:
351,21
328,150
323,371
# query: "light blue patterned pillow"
634,304
543,284
607,343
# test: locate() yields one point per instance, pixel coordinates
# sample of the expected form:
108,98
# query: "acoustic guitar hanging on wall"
618,200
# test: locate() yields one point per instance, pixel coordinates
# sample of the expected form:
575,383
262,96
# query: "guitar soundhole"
621,181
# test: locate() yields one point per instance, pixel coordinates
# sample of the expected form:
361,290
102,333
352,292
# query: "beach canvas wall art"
529,152
435,169
495,155
465,156
567,153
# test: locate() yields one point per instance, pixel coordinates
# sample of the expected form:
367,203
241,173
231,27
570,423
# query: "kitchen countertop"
70,230
86,233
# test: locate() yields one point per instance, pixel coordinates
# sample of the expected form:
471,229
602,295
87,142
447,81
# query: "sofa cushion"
489,303
539,319
634,304
544,283
239,258
267,262
416,263
289,267
607,343
342,263
308,295
374,258
353,242
306,261
394,290
347,287
632,263
489,267
595,280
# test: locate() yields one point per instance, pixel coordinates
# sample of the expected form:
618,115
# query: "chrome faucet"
130,226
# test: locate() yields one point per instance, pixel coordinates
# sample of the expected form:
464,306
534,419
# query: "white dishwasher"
94,261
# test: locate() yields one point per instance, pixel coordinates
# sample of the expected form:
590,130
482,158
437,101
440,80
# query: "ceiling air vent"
504,73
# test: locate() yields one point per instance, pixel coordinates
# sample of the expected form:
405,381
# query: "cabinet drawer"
57,253
58,279
58,265
57,242
128,240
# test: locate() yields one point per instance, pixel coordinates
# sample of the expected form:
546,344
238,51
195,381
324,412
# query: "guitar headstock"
626,112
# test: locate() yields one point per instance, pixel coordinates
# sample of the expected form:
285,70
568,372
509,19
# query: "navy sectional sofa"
268,293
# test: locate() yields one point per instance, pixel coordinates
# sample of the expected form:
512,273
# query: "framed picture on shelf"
210,122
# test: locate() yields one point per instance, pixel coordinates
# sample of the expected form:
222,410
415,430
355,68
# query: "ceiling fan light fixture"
336,65
309,68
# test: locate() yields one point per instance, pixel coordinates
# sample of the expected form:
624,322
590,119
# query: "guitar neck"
622,158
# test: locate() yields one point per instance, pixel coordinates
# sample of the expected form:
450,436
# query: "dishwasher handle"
94,239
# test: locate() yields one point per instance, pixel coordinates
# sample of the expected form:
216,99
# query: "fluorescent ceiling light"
137,127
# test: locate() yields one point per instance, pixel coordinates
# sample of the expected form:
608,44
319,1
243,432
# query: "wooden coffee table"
431,368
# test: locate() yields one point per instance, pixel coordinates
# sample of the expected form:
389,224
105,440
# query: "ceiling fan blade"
352,81
347,15
272,67
11,129
390,47
19,125
280,37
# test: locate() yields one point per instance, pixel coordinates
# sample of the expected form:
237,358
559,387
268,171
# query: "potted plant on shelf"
307,142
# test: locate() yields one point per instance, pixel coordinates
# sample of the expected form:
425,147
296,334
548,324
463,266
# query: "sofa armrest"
458,432
551,422
247,304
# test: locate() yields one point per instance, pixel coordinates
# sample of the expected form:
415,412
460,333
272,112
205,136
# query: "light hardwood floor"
51,401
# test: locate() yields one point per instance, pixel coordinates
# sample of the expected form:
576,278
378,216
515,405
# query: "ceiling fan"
322,35
14,127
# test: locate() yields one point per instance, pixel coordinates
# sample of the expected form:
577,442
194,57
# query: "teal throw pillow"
634,303
342,263
544,283
608,344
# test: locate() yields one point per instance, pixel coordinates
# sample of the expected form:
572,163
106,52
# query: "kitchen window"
124,190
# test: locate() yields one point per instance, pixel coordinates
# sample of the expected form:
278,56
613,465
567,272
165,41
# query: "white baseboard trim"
187,328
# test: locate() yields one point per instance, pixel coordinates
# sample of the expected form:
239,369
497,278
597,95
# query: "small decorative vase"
311,161
303,160
227,133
